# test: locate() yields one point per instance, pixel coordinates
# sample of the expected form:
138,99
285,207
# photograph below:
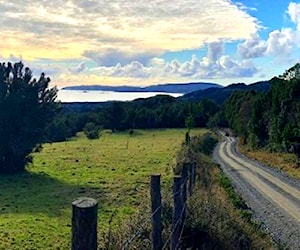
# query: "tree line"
267,119
30,116
156,112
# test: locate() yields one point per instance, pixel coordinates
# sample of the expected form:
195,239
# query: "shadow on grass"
39,193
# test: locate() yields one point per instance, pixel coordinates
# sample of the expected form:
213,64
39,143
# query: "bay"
104,96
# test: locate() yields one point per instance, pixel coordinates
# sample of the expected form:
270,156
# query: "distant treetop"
291,73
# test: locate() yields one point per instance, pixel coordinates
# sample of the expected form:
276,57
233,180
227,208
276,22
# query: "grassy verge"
282,161
35,208
219,218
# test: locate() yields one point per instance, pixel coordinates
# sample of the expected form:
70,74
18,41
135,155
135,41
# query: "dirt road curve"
273,197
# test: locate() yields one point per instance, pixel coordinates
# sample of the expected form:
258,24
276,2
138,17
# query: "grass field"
35,207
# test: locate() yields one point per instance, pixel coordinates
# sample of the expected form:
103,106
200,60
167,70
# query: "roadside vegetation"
217,218
285,162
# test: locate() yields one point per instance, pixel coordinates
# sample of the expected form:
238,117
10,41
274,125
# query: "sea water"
104,96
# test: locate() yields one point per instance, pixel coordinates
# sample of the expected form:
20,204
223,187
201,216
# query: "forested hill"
215,94
219,95
165,88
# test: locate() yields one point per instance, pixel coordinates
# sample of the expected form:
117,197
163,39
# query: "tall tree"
26,106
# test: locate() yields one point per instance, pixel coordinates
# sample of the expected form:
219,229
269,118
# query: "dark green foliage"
268,119
235,198
91,130
156,112
26,106
204,144
219,95
189,122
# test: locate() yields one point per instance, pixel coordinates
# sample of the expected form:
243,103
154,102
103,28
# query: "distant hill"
183,88
219,95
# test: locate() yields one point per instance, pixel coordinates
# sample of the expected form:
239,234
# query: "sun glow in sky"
143,42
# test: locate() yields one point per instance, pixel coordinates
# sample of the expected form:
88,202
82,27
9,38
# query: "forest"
267,116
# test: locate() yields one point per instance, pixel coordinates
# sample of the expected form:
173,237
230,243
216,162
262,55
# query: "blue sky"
143,42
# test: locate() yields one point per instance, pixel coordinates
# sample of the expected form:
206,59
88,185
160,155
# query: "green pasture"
35,206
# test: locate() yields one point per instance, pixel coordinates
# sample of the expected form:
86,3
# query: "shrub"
91,130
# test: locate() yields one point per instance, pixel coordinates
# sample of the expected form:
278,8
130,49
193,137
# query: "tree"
190,122
91,130
26,106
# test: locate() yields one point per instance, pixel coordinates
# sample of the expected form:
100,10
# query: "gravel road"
273,197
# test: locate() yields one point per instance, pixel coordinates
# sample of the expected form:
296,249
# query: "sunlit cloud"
123,42
54,29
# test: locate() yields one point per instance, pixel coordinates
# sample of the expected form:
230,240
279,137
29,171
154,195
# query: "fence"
84,217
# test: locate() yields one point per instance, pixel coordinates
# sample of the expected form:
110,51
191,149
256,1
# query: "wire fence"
178,194
85,214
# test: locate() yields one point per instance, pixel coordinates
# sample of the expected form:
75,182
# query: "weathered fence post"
84,224
193,177
191,184
176,213
192,174
184,179
156,212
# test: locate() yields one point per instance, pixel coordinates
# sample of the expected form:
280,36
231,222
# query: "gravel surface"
273,197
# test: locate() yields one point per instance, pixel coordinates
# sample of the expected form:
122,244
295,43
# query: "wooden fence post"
184,179
84,224
191,184
176,213
156,212
194,173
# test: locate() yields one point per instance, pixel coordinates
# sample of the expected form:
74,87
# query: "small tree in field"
190,122
91,130
26,106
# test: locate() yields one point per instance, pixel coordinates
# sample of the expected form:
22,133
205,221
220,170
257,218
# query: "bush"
91,130
204,144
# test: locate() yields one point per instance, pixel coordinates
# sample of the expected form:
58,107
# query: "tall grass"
286,162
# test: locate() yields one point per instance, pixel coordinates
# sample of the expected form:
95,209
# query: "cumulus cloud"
215,50
280,42
294,13
252,48
213,66
132,70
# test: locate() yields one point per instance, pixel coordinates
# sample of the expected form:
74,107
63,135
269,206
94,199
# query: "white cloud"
280,43
254,47
132,70
294,13
213,66
78,69
215,50
69,28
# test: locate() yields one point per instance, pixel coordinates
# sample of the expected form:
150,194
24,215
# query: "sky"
142,42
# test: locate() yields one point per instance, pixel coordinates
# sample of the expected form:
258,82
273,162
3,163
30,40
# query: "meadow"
35,208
